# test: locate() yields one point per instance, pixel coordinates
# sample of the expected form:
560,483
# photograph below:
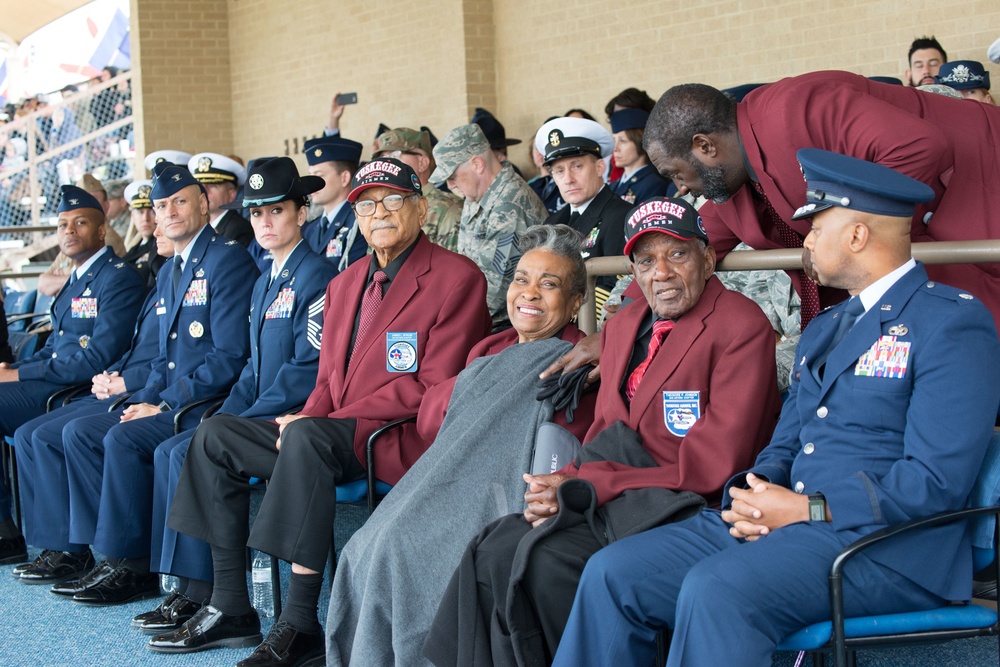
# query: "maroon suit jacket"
435,404
723,348
445,306
948,144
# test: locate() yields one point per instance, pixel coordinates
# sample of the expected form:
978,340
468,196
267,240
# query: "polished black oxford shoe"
16,572
210,628
286,646
120,586
13,550
58,566
169,617
139,619
92,578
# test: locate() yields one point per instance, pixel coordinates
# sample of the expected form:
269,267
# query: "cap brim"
353,195
575,151
632,241
811,209
441,173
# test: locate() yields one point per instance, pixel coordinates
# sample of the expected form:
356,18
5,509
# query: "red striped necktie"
369,306
809,292
660,330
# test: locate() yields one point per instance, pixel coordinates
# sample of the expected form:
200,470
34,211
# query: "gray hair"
563,241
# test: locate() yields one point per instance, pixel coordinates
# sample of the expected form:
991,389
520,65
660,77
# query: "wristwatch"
817,507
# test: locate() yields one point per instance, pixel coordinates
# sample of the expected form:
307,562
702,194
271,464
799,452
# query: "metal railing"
85,132
941,252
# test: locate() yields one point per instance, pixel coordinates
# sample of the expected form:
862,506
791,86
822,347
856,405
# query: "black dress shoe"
170,617
92,578
139,619
16,572
210,628
13,550
120,586
285,646
58,566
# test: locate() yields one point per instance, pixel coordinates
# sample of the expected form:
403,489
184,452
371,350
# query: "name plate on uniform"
887,358
197,294
83,308
401,351
281,307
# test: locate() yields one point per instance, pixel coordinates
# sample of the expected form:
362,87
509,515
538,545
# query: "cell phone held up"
347,98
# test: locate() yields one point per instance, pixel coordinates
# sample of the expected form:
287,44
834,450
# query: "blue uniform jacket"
91,320
337,239
642,185
135,366
204,326
286,326
898,426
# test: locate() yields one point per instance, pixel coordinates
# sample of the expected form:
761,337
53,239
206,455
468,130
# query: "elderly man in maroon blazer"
393,327
742,158
689,369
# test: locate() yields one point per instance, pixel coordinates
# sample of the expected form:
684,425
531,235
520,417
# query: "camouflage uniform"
444,216
444,209
490,232
772,291
490,228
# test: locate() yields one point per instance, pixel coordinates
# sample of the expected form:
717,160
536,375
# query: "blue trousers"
172,552
41,465
20,402
110,470
728,602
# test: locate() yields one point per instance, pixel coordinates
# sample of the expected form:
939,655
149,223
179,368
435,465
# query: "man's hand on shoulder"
587,351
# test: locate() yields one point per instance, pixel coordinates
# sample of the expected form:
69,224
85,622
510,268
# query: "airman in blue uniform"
91,318
203,307
861,444
639,181
286,326
42,463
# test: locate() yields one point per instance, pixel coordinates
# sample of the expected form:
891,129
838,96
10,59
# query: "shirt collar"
583,207
872,294
190,247
215,221
276,268
83,268
335,211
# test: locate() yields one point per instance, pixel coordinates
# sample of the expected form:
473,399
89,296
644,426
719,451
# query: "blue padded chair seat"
354,492
958,617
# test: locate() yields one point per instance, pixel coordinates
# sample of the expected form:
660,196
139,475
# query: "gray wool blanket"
393,571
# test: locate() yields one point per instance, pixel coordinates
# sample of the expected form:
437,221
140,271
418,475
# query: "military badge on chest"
84,308
887,358
282,306
196,294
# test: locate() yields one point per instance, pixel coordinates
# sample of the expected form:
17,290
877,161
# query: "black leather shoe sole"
227,642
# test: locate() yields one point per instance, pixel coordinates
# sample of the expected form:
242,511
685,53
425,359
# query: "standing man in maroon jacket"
393,327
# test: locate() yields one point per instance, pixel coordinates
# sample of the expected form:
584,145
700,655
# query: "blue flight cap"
73,198
328,149
838,180
628,119
963,75
169,179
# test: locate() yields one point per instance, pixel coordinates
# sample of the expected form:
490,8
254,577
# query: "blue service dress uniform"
895,427
327,239
643,184
286,327
204,342
91,319
41,462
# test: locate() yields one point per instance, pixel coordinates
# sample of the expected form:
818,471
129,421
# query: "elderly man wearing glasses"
393,326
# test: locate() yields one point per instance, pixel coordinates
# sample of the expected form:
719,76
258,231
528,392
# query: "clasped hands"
763,507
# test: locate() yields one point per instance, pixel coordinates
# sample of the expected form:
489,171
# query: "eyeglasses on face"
366,207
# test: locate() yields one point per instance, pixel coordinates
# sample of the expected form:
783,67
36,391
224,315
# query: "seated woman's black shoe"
210,628
286,647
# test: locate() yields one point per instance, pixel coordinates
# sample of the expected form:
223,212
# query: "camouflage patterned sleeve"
444,215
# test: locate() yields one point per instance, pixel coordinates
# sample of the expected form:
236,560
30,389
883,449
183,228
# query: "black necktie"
573,217
72,277
175,275
848,317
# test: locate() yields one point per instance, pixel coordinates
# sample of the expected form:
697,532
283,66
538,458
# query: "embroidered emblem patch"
681,409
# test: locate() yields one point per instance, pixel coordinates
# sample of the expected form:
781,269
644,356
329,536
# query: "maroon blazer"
949,144
445,306
723,349
435,404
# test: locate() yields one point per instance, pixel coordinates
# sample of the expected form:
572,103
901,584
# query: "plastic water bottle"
263,591
169,583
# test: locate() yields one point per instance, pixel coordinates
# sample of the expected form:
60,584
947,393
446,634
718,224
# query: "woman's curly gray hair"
560,240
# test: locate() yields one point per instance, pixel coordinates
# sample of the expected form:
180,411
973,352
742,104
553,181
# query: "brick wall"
249,75
181,91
